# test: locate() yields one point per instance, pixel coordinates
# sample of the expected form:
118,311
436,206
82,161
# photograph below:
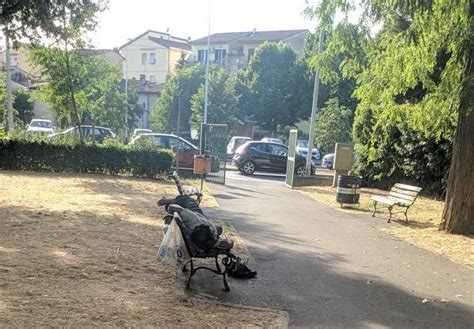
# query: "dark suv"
266,156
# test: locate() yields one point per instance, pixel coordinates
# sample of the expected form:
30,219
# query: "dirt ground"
422,229
79,250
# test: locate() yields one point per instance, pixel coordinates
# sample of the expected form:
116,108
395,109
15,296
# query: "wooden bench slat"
383,199
402,196
402,202
408,187
412,193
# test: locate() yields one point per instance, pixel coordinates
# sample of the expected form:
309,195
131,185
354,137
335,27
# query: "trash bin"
202,164
348,189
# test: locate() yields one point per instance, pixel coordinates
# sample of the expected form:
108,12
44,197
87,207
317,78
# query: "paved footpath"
331,269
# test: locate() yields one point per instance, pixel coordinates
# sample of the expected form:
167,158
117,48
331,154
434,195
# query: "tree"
278,85
23,105
82,87
333,125
419,78
36,19
222,101
185,83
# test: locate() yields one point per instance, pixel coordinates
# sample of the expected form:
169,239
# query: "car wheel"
300,170
248,168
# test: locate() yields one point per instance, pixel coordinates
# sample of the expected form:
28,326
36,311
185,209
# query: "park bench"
400,195
222,248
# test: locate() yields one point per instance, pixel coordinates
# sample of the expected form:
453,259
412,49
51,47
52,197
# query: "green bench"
400,195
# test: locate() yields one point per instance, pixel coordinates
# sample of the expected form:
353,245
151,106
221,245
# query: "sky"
190,18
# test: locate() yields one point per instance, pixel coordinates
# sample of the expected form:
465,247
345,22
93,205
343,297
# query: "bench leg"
191,273
406,216
390,214
218,268
375,208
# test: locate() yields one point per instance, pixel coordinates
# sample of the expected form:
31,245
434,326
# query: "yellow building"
152,56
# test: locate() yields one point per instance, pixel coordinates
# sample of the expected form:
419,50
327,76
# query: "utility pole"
11,123
314,109
208,54
178,119
126,97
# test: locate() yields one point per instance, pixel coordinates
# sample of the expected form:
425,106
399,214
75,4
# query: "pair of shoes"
239,270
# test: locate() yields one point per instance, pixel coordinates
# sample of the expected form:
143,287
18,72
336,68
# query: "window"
219,55
278,150
202,54
152,58
181,145
251,51
143,58
152,79
142,77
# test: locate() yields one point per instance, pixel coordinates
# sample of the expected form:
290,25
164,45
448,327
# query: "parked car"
272,140
99,133
184,150
266,156
328,161
302,149
140,131
235,142
40,126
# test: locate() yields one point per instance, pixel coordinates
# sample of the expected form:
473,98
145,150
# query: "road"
331,269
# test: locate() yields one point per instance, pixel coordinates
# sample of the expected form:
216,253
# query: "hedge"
113,159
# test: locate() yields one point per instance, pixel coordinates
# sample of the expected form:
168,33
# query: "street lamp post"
313,110
11,122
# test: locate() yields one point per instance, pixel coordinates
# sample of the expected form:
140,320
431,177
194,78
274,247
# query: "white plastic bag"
173,249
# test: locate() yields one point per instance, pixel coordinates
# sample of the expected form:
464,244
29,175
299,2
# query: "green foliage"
36,19
222,101
22,152
333,125
275,90
408,82
83,88
23,105
185,83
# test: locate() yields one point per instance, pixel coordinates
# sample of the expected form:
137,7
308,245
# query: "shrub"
42,154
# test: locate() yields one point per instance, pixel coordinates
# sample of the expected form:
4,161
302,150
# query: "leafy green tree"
222,100
35,19
278,87
418,82
82,88
333,125
23,105
184,83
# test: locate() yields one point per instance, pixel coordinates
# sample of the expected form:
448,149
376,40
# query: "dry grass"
79,250
422,229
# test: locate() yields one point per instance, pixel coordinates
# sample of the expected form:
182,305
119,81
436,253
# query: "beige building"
152,56
233,50
150,59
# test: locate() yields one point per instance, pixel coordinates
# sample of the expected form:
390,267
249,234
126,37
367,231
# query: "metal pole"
314,110
11,123
177,133
126,97
208,53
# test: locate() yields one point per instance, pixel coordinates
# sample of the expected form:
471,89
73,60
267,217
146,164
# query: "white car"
272,140
40,126
140,131
302,149
235,142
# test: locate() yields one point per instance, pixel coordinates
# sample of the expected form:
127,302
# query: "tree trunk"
458,213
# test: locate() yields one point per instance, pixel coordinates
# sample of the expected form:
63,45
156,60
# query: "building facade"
233,50
150,60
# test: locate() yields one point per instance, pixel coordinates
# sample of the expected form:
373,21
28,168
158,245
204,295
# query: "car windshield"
41,124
